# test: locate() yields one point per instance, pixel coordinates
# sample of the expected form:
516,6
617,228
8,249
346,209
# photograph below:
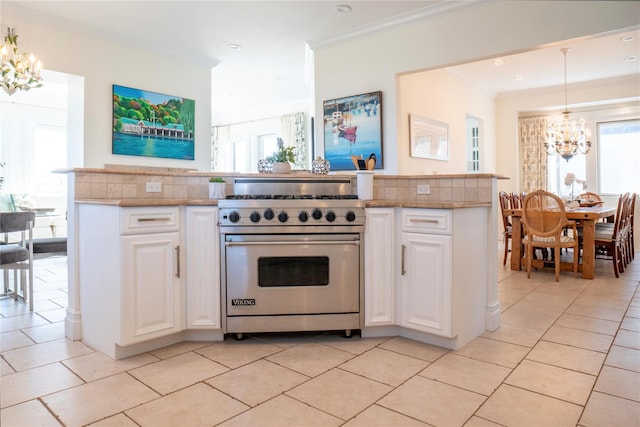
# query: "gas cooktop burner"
291,196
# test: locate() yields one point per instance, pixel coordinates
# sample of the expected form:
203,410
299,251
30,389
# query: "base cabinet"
379,271
425,289
129,275
426,274
151,286
202,267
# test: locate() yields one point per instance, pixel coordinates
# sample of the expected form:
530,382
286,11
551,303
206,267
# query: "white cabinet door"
426,291
379,276
150,286
202,241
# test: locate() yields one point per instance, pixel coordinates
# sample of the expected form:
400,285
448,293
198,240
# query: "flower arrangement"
282,154
570,180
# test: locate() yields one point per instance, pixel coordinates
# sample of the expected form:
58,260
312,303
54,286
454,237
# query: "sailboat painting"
353,127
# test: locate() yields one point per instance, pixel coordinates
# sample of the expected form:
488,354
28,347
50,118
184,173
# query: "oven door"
276,274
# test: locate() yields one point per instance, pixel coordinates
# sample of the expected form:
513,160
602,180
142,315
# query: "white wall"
371,63
442,96
103,63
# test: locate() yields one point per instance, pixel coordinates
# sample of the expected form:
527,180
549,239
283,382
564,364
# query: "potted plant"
217,188
282,158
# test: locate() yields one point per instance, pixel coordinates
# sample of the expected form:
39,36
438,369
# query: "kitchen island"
456,222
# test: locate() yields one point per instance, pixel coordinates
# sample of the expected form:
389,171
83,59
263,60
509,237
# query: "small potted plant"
282,158
217,188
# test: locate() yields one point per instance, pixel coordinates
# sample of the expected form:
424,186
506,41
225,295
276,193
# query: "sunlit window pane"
619,156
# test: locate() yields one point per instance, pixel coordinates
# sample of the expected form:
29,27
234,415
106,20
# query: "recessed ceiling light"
631,58
519,77
343,8
498,62
234,46
627,38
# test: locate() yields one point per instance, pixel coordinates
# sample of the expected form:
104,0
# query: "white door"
150,286
202,241
379,268
426,283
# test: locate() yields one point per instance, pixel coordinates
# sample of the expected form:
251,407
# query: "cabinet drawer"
432,221
149,220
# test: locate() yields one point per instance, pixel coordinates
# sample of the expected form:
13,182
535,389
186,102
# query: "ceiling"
270,67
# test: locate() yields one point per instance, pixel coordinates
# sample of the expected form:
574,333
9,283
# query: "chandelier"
18,70
567,137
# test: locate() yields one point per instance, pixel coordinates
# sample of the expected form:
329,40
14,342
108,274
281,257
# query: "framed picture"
353,127
152,124
429,138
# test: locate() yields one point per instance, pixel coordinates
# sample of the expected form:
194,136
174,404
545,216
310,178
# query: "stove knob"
316,214
255,216
234,216
268,214
350,216
331,216
283,216
303,216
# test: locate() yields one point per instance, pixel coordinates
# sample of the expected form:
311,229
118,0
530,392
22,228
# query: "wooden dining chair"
589,197
507,234
516,200
610,240
544,219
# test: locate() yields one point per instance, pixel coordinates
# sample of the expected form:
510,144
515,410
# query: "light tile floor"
567,354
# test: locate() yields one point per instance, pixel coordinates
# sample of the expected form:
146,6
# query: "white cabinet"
202,273
426,272
129,275
379,271
151,286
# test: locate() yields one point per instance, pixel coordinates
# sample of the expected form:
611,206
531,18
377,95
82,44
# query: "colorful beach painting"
353,127
152,124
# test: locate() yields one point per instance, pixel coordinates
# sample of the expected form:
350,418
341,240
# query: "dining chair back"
610,239
18,256
632,249
544,218
516,200
504,200
589,197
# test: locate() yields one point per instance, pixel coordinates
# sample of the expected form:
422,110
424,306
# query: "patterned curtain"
293,130
220,139
533,154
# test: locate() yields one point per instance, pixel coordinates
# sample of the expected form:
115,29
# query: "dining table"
585,217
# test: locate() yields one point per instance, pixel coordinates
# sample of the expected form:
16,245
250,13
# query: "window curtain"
534,156
220,142
293,131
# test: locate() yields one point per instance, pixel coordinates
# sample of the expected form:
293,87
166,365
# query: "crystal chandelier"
18,70
567,137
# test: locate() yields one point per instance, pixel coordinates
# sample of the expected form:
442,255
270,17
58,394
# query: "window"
473,144
558,168
619,157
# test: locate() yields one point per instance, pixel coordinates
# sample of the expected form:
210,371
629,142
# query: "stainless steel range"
291,255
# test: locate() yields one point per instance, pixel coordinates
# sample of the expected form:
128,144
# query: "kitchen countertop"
214,202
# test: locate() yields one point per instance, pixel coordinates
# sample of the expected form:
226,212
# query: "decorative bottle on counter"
320,166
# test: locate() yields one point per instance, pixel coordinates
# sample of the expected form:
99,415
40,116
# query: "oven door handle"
286,243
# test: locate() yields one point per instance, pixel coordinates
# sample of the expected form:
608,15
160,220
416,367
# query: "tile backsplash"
131,184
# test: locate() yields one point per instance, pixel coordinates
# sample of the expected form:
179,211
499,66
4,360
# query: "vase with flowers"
570,180
282,158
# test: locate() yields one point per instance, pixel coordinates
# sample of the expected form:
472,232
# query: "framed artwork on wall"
353,127
152,124
429,138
